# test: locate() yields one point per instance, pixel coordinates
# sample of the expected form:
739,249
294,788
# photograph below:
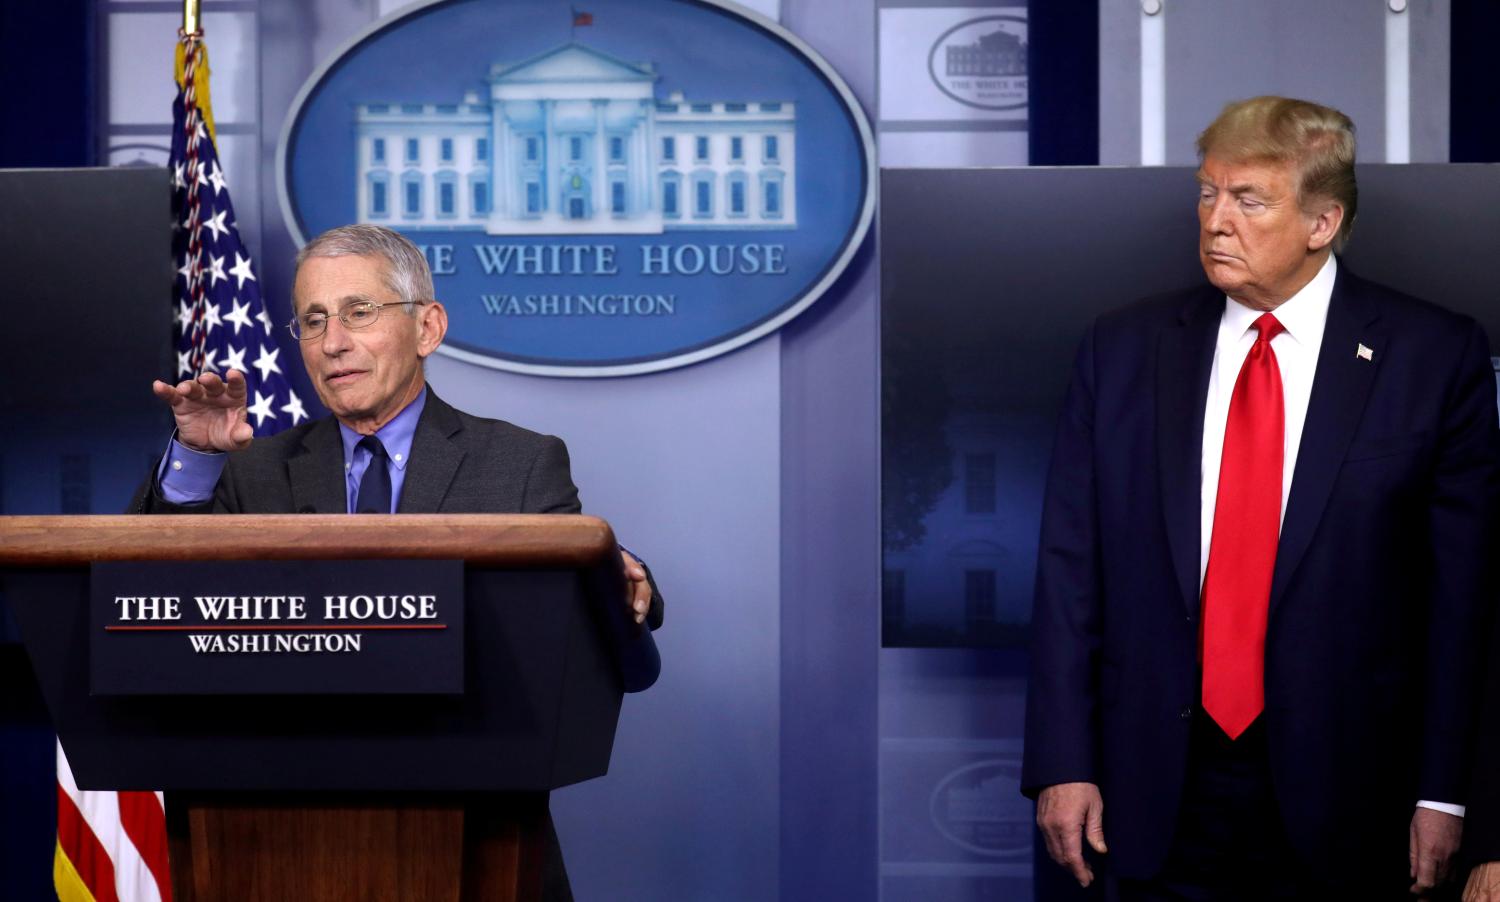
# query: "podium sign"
398,795
276,627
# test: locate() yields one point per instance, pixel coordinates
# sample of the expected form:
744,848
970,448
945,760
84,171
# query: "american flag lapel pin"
1364,353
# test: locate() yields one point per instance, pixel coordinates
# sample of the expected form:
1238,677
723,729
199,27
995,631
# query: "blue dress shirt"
188,477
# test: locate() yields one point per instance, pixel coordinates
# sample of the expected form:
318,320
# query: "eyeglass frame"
342,316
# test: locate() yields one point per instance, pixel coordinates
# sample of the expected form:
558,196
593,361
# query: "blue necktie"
375,486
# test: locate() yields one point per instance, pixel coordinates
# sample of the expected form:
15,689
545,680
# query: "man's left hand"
1434,839
1484,883
637,587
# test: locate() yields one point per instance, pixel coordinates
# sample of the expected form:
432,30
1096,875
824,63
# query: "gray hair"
406,271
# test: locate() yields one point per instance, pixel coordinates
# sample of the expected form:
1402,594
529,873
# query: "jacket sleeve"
550,490
1062,718
1461,528
549,482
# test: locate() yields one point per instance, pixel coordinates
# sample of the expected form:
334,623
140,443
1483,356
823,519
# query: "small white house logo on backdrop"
979,808
982,63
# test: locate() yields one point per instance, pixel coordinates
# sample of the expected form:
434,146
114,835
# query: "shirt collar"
1303,315
396,435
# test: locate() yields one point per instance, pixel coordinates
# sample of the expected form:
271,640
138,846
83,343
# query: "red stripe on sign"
146,825
93,864
349,628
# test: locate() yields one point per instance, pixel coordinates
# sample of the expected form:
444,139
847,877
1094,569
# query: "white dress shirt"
1303,317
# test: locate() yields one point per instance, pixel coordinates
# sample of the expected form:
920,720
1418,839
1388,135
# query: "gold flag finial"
191,16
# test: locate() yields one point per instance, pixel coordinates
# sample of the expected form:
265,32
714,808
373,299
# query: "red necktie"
1242,552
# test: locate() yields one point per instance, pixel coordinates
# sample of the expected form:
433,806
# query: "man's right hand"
1069,813
210,411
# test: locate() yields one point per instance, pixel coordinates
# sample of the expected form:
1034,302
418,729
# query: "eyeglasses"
359,315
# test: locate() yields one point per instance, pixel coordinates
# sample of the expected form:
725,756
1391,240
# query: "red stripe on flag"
83,849
146,825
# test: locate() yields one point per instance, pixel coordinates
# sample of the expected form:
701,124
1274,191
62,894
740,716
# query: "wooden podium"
317,796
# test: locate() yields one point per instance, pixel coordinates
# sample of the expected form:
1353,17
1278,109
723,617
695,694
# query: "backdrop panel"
990,277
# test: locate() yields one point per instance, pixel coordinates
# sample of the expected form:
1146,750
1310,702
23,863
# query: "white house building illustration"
575,141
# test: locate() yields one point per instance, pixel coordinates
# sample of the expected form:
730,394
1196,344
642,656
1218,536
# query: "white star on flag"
241,270
216,270
293,408
240,315
184,363
211,317
264,320
266,362
216,224
261,409
234,358
216,178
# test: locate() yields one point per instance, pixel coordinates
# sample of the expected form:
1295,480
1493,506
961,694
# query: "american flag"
113,845
221,320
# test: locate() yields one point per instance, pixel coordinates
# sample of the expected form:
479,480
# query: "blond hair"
1318,140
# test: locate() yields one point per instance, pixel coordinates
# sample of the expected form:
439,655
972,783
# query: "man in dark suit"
1261,586
366,320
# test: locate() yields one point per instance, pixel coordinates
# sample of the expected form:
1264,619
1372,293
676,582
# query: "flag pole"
193,118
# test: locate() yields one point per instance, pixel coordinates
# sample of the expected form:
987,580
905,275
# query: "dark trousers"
1231,844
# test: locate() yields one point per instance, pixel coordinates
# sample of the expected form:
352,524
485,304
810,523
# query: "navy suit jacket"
1380,593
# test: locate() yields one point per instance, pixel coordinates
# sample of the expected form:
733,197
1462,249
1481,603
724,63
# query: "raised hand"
210,411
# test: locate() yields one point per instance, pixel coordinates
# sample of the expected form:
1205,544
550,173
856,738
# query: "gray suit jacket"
460,464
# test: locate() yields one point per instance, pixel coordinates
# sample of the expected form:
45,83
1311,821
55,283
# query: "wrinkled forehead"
1258,173
329,284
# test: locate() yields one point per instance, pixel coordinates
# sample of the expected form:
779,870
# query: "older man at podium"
366,320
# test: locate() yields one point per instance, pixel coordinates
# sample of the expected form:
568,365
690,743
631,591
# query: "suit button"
1187,713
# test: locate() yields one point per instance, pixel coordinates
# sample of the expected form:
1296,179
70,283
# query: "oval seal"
982,63
979,808
628,188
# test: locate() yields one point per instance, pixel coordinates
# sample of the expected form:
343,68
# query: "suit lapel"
317,474
1341,386
1184,357
434,458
